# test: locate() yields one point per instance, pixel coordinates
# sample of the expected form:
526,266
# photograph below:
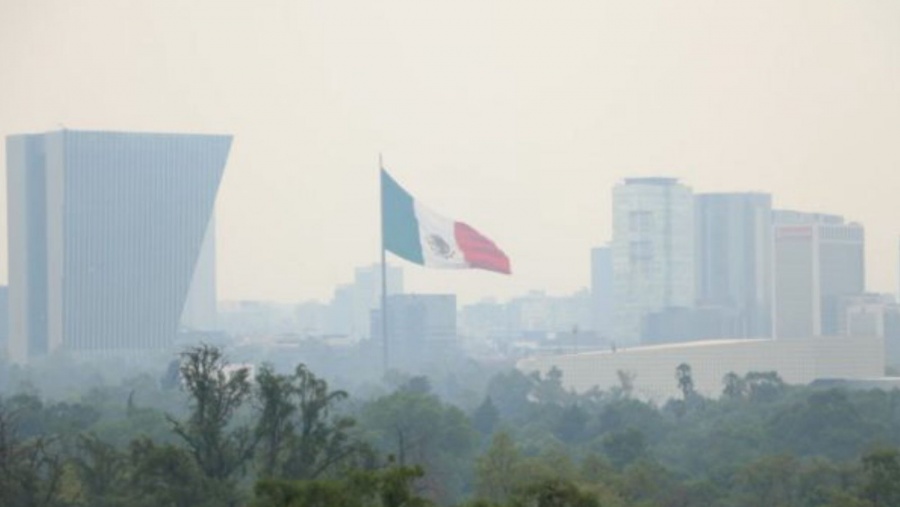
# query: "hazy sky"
516,116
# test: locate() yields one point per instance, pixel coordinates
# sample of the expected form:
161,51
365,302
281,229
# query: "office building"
421,328
4,320
602,290
200,311
862,314
367,295
418,320
892,335
652,252
733,242
487,320
818,259
105,229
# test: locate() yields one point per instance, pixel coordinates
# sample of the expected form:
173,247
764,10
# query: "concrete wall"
796,361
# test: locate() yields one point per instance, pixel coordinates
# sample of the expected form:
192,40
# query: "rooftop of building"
117,133
652,180
785,216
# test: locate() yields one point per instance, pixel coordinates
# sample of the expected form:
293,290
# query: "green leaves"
298,435
215,394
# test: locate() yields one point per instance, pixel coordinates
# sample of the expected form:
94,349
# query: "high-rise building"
105,229
420,327
537,313
892,335
863,314
733,242
200,311
486,320
350,310
602,290
416,319
367,294
4,320
818,259
652,251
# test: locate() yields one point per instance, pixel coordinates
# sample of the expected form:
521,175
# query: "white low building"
797,361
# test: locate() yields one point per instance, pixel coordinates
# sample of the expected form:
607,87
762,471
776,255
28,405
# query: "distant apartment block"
351,306
105,231
652,252
416,321
421,328
818,260
733,242
487,319
366,294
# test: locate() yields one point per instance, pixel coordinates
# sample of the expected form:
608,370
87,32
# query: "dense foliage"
207,433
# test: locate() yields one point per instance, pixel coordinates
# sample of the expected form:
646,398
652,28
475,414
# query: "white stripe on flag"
438,238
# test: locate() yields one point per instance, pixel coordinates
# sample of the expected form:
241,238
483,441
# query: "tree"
275,426
169,475
421,431
418,384
317,441
764,386
770,480
735,387
685,380
30,470
495,470
485,417
624,447
626,383
571,424
215,394
556,493
646,482
549,389
882,470
825,422
101,471
510,392
386,487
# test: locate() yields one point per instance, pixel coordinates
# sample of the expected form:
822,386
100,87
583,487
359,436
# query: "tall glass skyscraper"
105,230
652,250
734,259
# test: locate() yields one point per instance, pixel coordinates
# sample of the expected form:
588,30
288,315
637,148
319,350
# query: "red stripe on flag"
479,251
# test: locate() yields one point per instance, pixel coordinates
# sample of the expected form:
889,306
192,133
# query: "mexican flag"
417,234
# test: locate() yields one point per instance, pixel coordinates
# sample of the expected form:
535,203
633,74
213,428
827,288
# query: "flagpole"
384,312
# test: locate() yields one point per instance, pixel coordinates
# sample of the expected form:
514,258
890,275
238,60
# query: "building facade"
420,328
602,290
4,321
819,259
200,311
367,295
105,229
733,241
798,361
652,252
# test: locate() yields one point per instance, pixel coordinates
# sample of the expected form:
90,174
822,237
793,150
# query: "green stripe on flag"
399,227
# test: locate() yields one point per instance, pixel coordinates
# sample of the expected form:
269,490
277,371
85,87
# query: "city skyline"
523,135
